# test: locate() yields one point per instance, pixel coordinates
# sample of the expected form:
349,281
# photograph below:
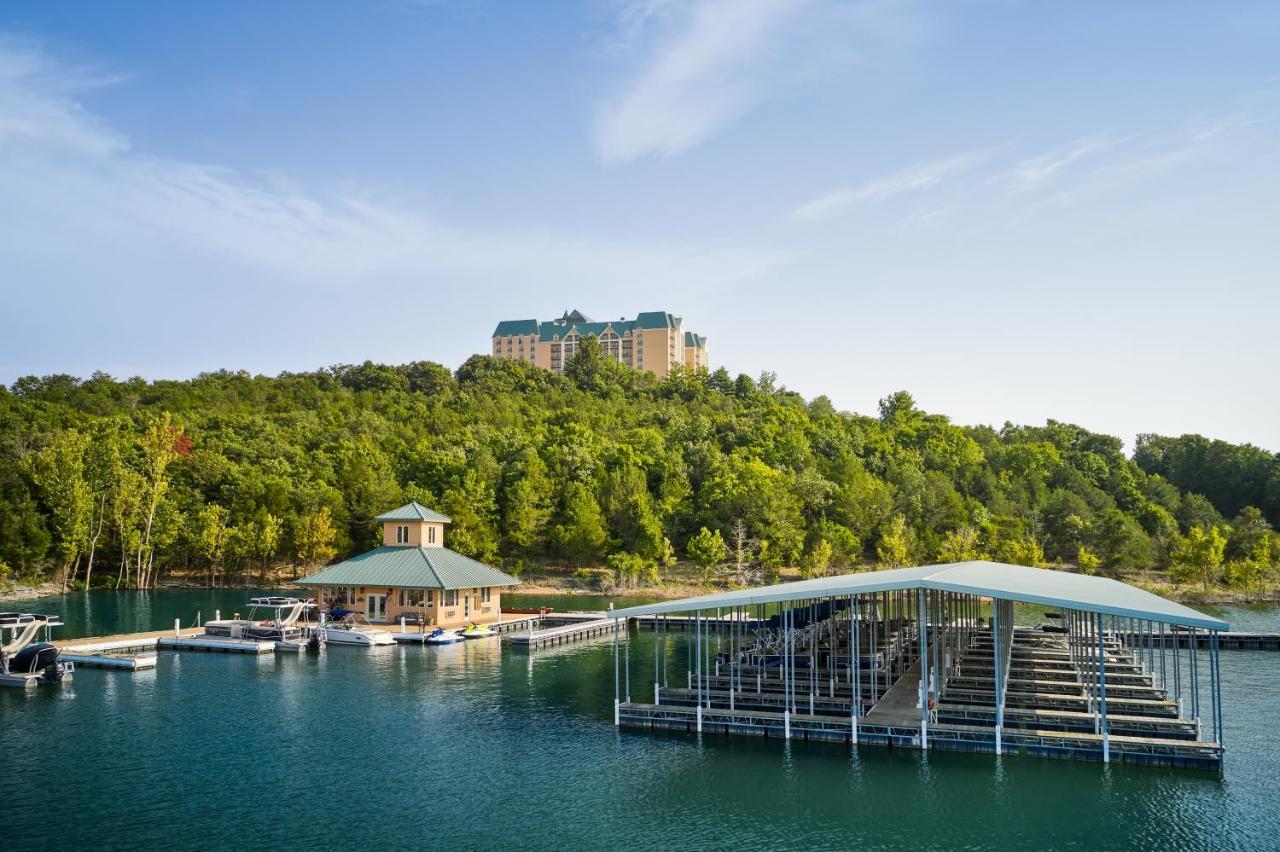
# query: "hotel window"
402,535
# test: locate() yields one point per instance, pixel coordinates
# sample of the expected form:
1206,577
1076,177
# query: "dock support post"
1193,657
617,688
1102,688
855,661
922,628
1216,684
698,646
999,694
177,628
656,643
1177,673
787,673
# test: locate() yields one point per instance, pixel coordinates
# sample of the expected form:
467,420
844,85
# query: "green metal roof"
410,568
691,339
654,319
413,511
552,331
516,327
988,579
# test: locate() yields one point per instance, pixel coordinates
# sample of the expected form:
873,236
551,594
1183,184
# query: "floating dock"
121,654
212,644
562,633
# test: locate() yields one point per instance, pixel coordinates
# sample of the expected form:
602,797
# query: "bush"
629,570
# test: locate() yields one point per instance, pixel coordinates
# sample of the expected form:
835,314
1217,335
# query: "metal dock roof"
989,579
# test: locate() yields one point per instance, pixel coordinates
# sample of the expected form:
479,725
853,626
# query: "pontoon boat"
23,659
282,626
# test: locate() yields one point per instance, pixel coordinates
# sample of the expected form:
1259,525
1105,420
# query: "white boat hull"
366,638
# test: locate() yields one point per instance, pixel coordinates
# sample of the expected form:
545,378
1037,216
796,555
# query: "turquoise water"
483,745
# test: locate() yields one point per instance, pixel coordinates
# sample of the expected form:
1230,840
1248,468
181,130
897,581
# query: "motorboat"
440,636
354,629
280,625
24,658
475,631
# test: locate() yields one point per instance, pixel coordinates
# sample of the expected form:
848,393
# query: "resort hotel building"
413,573
655,341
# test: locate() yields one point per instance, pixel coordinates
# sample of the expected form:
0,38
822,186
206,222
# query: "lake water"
482,745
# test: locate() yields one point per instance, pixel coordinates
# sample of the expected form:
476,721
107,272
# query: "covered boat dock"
931,657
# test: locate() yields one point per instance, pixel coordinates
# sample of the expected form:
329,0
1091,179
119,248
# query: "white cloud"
68,179
706,63
919,177
1033,171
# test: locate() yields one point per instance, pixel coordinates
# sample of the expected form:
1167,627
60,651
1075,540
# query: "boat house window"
431,535
402,535
449,597
486,595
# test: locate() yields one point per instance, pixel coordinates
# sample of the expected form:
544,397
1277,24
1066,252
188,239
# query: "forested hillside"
229,474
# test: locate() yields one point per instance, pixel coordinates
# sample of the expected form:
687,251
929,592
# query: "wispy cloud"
918,177
1034,171
69,178
706,63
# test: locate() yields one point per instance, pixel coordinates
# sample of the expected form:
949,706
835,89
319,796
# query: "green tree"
1198,556
58,470
1087,561
708,550
896,543
472,508
527,508
313,537
159,446
210,538
960,546
816,561
630,569
580,534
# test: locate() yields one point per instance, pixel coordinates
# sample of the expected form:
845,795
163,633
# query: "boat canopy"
987,579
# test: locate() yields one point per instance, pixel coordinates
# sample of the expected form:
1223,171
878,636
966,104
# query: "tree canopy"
229,472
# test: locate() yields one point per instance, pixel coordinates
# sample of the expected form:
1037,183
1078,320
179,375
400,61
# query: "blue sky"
1017,211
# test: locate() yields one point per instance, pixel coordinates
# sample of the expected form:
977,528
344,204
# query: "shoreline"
571,586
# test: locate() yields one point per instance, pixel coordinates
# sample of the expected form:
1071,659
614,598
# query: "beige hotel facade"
655,341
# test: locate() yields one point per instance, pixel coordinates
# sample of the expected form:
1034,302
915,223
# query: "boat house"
413,575
933,657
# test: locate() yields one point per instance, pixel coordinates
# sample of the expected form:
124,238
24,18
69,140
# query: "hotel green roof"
414,511
410,568
508,328
655,319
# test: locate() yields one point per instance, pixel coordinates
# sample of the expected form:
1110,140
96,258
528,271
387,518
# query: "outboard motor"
35,657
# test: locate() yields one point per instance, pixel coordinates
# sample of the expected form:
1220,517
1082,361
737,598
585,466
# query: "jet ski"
475,631
441,637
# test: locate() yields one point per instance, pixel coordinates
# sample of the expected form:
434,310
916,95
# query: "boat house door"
466,606
376,607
